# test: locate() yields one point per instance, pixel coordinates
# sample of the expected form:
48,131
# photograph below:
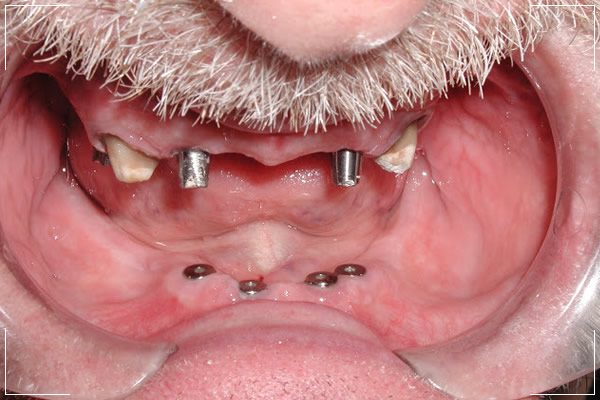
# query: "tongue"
282,351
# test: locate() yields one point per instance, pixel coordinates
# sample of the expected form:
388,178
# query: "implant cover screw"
198,271
252,286
320,279
350,270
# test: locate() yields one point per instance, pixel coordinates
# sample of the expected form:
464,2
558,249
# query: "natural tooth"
399,158
346,164
129,166
193,168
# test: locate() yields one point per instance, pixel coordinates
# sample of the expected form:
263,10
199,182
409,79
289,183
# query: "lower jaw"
266,337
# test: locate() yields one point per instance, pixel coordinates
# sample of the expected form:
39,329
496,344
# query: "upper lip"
164,139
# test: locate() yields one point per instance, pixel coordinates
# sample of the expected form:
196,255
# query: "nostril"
315,30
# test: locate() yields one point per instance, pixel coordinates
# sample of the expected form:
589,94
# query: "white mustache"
186,55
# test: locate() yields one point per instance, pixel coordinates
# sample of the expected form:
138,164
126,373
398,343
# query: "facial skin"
92,265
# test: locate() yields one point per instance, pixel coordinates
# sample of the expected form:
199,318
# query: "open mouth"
479,166
259,246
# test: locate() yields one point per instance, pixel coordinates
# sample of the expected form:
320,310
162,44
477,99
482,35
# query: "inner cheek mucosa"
441,257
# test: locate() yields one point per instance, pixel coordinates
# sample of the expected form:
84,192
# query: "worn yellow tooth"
129,166
399,158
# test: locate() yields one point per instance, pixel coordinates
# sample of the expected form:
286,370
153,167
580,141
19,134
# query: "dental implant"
193,168
251,286
198,271
101,158
320,279
350,270
346,166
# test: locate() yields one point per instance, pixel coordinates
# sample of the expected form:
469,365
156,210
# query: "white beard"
262,88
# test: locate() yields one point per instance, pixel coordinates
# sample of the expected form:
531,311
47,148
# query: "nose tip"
317,30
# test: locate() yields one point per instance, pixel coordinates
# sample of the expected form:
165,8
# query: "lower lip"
306,349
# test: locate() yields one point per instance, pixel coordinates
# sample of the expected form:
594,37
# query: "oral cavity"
283,219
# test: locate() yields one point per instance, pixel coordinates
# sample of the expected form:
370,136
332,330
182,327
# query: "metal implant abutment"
346,167
193,168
